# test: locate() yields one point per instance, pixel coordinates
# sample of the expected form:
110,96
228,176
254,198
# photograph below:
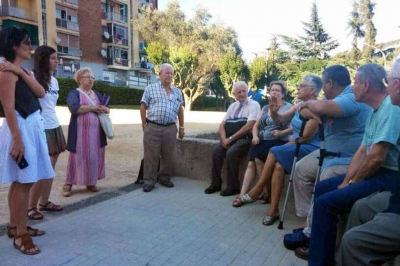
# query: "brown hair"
280,83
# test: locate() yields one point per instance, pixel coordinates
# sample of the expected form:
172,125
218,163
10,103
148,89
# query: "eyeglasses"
304,85
88,77
386,82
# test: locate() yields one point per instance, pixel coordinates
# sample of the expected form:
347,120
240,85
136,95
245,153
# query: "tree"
233,69
316,42
257,72
367,11
355,25
195,44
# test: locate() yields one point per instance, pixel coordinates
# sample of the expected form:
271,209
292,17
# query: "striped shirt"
160,108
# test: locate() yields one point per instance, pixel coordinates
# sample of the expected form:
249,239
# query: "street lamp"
380,50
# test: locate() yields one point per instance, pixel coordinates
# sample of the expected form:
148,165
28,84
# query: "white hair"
240,83
395,71
164,65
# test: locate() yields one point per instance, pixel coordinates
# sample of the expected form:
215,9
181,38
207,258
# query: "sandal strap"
26,241
246,198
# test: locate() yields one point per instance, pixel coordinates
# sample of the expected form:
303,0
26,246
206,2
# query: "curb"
103,196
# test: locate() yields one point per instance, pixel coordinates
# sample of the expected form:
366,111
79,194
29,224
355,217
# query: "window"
62,14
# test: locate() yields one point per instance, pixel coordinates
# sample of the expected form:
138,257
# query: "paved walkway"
178,226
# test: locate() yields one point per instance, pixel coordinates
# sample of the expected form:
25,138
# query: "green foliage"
233,69
157,53
204,102
193,46
355,25
367,12
316,42
118,95
257,72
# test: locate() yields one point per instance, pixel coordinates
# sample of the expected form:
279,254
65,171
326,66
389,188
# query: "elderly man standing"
163,103
373,168
373,237
234,146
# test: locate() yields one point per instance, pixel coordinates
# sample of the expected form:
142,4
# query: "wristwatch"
230,138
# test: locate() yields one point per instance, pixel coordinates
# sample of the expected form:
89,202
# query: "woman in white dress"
45,63
24,155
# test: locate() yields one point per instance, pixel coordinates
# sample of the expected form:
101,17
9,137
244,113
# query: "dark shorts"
285,154
55,141
261,150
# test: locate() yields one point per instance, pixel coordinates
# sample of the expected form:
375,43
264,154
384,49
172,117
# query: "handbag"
234,125
105,121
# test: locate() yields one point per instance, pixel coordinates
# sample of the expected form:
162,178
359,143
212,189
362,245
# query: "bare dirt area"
123,154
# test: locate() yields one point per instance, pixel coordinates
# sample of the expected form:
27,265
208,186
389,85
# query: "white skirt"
36,151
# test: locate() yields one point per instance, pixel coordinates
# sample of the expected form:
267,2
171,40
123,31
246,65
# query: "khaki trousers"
158,141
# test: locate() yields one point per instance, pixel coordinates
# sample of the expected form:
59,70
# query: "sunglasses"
386,82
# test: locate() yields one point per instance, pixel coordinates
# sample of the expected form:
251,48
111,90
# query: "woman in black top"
24,155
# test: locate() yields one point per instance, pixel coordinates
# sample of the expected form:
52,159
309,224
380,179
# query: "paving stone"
179,226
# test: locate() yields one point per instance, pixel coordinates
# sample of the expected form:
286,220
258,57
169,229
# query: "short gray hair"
395,71
373,73
316,81
164,65
239,83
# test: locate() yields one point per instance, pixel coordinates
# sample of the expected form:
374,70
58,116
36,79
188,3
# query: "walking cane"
296,154
322,154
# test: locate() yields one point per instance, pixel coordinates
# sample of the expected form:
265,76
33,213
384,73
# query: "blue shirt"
344,134
296,125
383,126
161,108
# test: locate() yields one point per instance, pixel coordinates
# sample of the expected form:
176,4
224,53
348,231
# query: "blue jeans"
329,202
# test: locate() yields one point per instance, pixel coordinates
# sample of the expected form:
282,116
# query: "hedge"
204,101
118,95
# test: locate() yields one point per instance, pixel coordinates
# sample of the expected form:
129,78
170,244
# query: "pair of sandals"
26,246
35,214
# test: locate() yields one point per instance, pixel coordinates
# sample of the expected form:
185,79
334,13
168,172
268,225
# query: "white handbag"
105,121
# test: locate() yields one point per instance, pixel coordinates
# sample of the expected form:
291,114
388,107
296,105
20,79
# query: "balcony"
117,62
75,2
145,2
66,50
18,13
62,23
142,66
115,17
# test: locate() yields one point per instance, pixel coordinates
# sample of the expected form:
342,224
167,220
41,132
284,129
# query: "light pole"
380,50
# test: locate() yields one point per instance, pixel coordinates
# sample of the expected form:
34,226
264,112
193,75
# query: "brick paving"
178,226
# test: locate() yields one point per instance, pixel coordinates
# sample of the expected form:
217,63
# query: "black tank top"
26,102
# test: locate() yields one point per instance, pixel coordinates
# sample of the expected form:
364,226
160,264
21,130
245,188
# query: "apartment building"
86,33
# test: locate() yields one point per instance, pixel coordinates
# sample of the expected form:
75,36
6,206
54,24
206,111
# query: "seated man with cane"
373,168
373,231
244,113
343,133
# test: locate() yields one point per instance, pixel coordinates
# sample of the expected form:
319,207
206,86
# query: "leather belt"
158,124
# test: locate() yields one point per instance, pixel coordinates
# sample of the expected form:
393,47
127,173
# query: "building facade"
98,34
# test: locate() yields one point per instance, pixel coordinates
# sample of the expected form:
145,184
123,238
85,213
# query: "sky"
256,20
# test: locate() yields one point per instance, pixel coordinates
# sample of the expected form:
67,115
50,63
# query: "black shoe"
212,189
147,188
139,181
166,183
229,192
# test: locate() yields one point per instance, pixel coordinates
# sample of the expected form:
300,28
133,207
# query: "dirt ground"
123,154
